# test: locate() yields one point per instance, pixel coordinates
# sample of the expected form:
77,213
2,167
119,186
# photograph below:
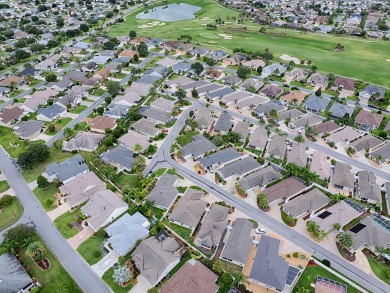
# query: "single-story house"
119,157
14,277
50,113
278,146
316,104
101,123
198,147
339,111
28,129
133,138
381,154
365,143
342,177
326,127
67,170
164,192
368,190
258,139
224,123
239,168
146,127
10,116
320,165
272,91
222,157
259,178
293,97
318,81
204,118
284,190
345,135
367,120
297,155
83,141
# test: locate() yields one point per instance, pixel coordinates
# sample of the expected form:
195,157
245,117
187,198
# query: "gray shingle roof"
278,146
372,235
12,274
67,169
339,110
307,202
119,155
223,123
259,178
316,104
219,157
164,192
239,167
198,147
27,128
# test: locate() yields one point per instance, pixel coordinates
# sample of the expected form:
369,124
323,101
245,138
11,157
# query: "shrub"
288,255
326,262
97,254
6,201
295,254
287,219
387,273
49,202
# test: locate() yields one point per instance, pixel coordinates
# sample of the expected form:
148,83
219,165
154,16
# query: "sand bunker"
387,60
225,36
289,58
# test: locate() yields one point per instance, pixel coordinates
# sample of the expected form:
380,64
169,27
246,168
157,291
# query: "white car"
261,231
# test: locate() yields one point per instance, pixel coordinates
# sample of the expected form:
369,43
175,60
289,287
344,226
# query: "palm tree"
10,245
27,241
345,240
29,78
240,278
34,249
299,139
137,148
273,114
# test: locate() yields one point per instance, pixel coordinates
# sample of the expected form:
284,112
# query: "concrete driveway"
107,262
80,237
142,286
62,209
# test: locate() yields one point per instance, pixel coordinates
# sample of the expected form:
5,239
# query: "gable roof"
259,178
307,202
220,157
164,192
320,164
13,276
203,117
10,114
68,168
198,147
346,83
103,122
239,241
284,189
239,167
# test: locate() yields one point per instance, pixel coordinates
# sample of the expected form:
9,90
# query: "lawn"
47,196
181,231
66,219
98,92
3,186
379,269
125,179
55,156
35,82
14,93
159,172
10,214
59,124
311,272
186,137
78,109
158,213
362,59
7,138
230,267
55,279
89,247
107,277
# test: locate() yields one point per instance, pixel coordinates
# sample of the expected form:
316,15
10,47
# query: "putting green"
362,59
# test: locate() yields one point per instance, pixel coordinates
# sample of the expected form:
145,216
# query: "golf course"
363,59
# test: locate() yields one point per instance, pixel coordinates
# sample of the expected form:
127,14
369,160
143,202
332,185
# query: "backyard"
181,231
89,249
10,142
362,59
78,109
10,214
186,137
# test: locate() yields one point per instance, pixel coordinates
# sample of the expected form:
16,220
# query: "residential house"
232,80
156,256
119,157
146,127
181,67
198,147
290,114
189,209
272,91
254,64
39,98
103,208
60,85
258,139
83,141
297,74
367,120
199,52
382,153
156,115
212,73
224,123
320,165
217,159
101,123
284,190
163,104
368,190
307,203
13,81
133,138
318,81
276,69
345,135
218,55
14,277
238,168
220,93
264,109
214,226
117,111
242,128
28,129
342,177
251,84
167,62
316,104
297,155
126,231
50,113
277,147
251,102
67,170
164,192
340,111
326,127
293,97
372,92
235,60
259,178
204,118
238,242
345,86
365,143
192,277
10,116
305,121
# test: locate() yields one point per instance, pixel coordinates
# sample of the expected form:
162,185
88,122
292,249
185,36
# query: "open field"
362,59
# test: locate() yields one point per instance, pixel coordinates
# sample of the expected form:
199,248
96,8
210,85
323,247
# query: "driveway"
80,237
142,286
62,209
107,262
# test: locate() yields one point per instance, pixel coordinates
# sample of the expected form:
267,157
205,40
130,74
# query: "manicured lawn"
10,214
309,276
55,156
7,138
64,220
181,231
186,137
98,92
14,93
125,179
158,213
159,172
78,109
362,59
107,277
3,186
230,267
35,82
379,269
89,247
47,196
53,279
59,124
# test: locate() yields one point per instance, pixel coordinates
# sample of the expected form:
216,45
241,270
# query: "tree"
318,92
113,88
345,240
194,94
51,127
259,70
29,78
218,140
197,67
243,71
240,278
180,94
217,267
132,34
21,54
51,77
209,61
136,58
42,182
60,22
299,139
137,148
34,249
33,154
262,201
6,200
233,137
19,233
273,114
121,275
142,49
226,278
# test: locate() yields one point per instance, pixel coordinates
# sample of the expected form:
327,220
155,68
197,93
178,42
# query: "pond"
171,12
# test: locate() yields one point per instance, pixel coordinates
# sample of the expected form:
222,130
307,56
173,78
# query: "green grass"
64,220
362,59
55,156
181,231
7,137
14,93
125,179
35,82
107,277
160,172
89,247
230,267
3,186
158,213
309,276
54,278
186,137
10,214
78,109
98,92
379,269
59,124
47,196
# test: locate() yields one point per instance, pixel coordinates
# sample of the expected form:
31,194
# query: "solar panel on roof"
357,228
324,215
291,275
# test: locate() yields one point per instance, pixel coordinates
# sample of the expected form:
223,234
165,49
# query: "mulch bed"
311,263
345,253
44,264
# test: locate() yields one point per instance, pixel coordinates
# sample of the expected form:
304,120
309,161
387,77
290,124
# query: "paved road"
35,215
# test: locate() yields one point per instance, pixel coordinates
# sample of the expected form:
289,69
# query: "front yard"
10,214
10,142
64,223
47,196
59,124
107,277
90,249
78,109
379,269
186,137
3,186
